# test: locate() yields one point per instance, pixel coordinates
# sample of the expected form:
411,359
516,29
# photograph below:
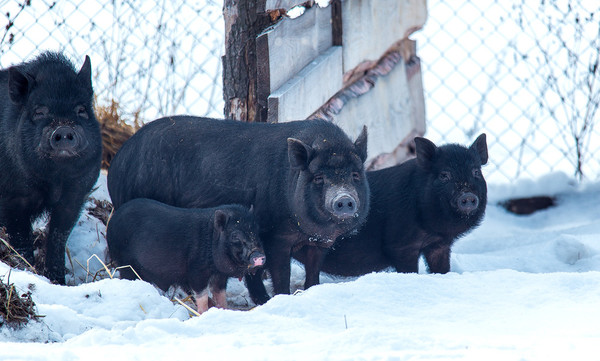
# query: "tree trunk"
243,22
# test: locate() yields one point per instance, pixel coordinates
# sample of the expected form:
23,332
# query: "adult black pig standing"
419,207
50,152
187,247
305,179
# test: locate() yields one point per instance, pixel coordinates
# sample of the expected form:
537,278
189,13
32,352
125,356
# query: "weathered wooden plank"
387,110
293,43
371,27
362,79
309,89
388,98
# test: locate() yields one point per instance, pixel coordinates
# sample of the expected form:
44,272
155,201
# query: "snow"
521,288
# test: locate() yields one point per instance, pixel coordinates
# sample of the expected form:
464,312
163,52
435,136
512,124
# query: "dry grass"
188,308
15,309
115,131
102,210
10,256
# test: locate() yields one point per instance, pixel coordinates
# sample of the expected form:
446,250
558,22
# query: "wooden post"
244,20
336,22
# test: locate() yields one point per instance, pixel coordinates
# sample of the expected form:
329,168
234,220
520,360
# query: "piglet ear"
361,144
425,150
85,73
220,222
18,85
299,153
480,147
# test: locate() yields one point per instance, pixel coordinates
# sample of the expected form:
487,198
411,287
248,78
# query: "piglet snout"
467,202
257,259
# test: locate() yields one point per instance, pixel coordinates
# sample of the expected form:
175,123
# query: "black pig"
419,207
187,247
305,179
50,151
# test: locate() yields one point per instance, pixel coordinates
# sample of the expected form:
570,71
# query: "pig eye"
40,112
445,176
318,179
476,173
235,240
356,176
81,111
238,237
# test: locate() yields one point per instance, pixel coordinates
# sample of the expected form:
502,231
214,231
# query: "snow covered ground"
522,288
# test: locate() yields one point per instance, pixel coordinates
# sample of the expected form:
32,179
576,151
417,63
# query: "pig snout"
257,259
343,205
467,202
65,140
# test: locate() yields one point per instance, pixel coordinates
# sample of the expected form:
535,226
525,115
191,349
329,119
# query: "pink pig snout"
257,259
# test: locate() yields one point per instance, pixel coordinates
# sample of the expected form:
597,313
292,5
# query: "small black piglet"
188,247
419,207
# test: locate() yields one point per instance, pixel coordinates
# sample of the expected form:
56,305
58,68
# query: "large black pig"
50,151
418,208
187,247
305,179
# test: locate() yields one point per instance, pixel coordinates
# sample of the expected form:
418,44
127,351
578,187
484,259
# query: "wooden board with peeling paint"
388,99
371,27
305,92
291,44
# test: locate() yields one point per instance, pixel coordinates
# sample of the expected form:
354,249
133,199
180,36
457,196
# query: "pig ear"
220,222
480,147
361,144
425,150
85,73
299,153
18,85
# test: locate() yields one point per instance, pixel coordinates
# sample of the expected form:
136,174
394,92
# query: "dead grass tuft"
101,210
15,309
115,131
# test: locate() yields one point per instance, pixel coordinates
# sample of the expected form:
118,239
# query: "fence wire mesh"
153,58
524,72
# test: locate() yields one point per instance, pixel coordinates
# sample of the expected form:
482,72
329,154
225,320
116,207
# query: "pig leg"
278,263
278,255
16,214
256,288
438,257
280,268
404,259
201,299
218,286
314,257
62,219
20,236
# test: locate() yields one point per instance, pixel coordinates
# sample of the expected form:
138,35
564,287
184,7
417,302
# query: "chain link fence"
524,72
153,58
